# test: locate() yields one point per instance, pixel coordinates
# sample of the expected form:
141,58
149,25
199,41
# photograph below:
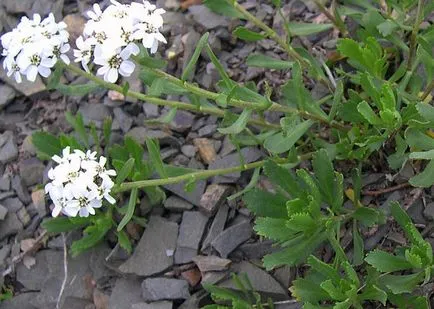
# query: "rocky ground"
193,238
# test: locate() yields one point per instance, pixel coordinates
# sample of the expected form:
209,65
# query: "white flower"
79,183
112,35
34,47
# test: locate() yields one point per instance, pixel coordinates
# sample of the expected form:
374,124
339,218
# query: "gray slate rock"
211,263
94,113
232,237
217,226
3,212
140,134
18,186
125,121
174,203
31,171
190,234
5,183
261,281
77,303
13,204
214,196
154,252
182,121
207,130
126,292
7,95
25,87
21,301
10,225
154,289
429,211
8,147
193,196
154,305
208,19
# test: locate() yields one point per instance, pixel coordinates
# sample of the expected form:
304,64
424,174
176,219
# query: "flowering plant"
376,109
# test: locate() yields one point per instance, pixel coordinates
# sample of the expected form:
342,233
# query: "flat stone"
217,226
189,150
31,171
190,234
231,238
211,263
429,211
182,121
154,305
258,249
4,253
24,216
126,292
154,289
94,112
151,110
208,19
25,87
125,121
152,254
174,203
20,301
213,277
3,212
206,150
192,196
18,186
140,134
5,183
250,154
38,199
13,204
207,130
77,303
10,225
135,83
7,95
8,147
261,281
27,146
385,207
284,275
214,196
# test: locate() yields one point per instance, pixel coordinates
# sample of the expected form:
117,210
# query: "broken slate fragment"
174,203
154,289
154,305
217,226
214,196
211,263
10,225
125,294
3,212
261,281
190,234
154,253
8,147
231,238
191,196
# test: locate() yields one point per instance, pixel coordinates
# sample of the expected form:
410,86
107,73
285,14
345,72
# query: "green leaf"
64,224
130,210
283,178
252,183
263,61
308,291
302,222
402,283
334,291
239,125
191,65
154,155
247,35
368,216
273,228
124,242
423,155
46,144
372,292
418,140
426,111
78,90
219,67
303,29
323,268
424,179
93,235
126,170
266,204
337,100
366,110
386,262
324,172
406,224
107,130
78,124
223,8
358,246
280,143
54,78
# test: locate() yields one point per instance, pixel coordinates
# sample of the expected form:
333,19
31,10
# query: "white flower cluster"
34,46
79,183
111,36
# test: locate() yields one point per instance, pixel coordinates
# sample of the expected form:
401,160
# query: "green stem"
199,175
332,18
413,36
427,91
244,104
158,101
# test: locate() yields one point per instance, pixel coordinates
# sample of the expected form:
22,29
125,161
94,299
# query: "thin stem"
413,36
332,18
199,175
245,104
270,33
427,91
158,101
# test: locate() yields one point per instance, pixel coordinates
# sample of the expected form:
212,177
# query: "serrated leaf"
93,235
124,242
335,292
266,204
368,216
64,224
280,143
367,112
263,61
191,65
304,29
302,222
324,172
273,228
402,283
323,268
130,209
248,35
155,156
46,144
372,292
386,262
308,291
239,125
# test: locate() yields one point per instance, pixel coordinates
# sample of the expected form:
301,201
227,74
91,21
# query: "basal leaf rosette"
79,183
113,35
